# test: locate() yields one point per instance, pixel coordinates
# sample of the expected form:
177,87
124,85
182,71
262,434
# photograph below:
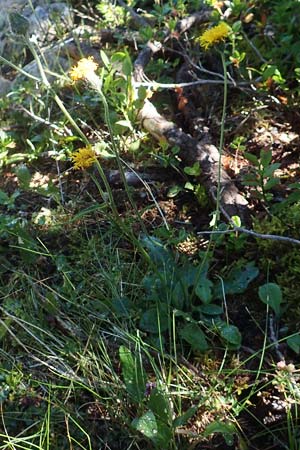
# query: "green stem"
221,143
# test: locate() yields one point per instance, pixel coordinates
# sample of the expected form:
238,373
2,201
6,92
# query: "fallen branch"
192,151
237,229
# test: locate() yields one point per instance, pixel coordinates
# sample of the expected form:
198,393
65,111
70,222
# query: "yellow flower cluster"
84,68
84,158
214,35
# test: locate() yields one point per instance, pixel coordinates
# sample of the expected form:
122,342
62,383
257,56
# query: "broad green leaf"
146,425
294,343
228,431
159,404
237,281
270,293
174,190
127,66
189,186
154,429
193,334
236,220
231,335
203,290
124,123
18,23
154,320
158,252
24,176
211,309
133,374
193,170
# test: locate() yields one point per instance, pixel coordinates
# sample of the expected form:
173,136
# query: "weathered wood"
192,151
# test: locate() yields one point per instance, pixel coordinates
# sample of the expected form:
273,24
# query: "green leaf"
211,309
127,66
270,293
294,343
146,425
194,170
155,320
237,281
236,26
268,171
24,176
105,59
231,335
193,334
189,186
184,418
124,123
160,406
226,429
155,430
252,158
236,220
4,198
271,183
18,23
203,290
158,252
174,190
265,157
133,374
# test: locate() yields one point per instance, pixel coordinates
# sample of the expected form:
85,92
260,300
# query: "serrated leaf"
270,294
193,334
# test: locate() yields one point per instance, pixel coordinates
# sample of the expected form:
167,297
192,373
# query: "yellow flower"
84,68
83,158
214,35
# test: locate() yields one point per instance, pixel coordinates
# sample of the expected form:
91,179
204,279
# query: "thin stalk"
221,143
